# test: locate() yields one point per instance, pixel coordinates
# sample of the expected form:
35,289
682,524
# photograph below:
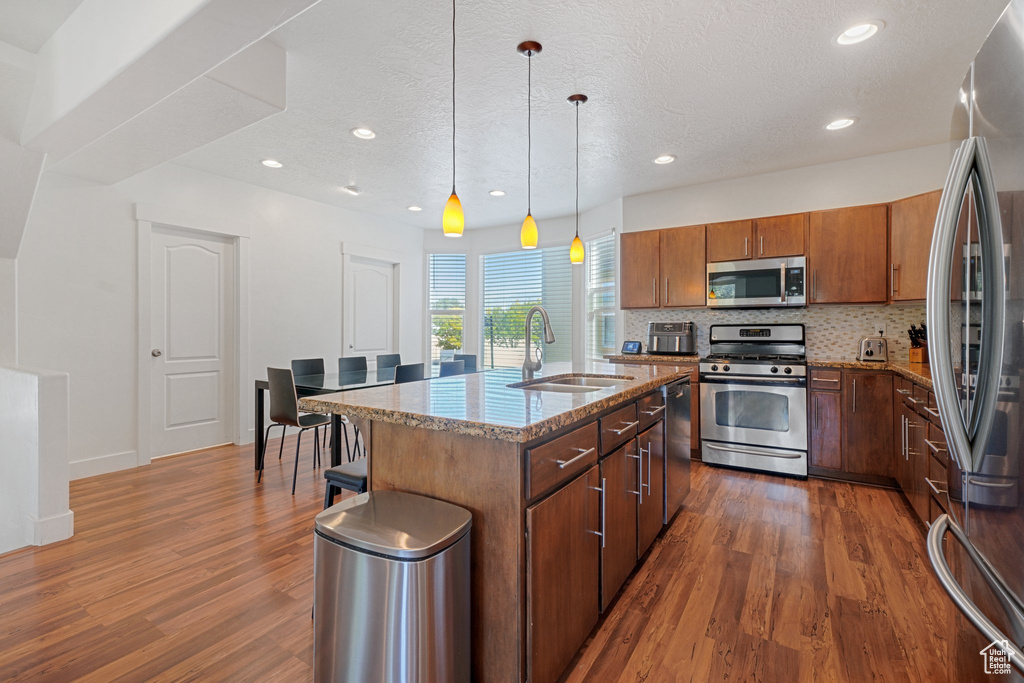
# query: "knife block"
919,355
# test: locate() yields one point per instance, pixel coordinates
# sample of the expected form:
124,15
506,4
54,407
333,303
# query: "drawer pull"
933,413
653,412
905,392
935,448
915,401
583,452
822,379
935,489
629,425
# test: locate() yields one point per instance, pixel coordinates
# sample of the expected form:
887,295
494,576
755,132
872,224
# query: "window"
511,284
447,282
599,293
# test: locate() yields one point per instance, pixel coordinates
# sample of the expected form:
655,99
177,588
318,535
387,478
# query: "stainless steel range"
753,398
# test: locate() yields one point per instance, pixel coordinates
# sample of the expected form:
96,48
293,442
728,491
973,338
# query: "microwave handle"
782,281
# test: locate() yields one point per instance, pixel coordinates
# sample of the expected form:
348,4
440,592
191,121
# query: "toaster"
874,349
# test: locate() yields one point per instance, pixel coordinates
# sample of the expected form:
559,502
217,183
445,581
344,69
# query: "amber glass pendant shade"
453,221
528,235
576,250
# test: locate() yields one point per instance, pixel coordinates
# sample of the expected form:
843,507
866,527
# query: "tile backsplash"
833,332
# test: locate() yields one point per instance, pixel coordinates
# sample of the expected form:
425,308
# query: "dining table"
315,385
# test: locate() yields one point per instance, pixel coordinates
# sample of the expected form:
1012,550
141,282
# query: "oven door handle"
747,451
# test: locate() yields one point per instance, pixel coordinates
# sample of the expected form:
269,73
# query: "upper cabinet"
777,236
683,266
732,241
911,226
847,258
639,269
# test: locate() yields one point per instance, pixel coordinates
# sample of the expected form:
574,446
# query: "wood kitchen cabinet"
651,501
562,574
639,272
619,474
847,255
911,225
867,437
731,241
778,236
683,268
917,491
826,430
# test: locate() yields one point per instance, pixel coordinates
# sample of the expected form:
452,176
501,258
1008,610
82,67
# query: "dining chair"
452,367
284,410
408,373
469,359
303,367
350,476
389,360
351,364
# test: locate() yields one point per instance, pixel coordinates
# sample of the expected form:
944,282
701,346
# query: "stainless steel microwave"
757,283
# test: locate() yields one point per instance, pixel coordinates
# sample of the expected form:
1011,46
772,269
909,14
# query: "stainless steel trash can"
391,590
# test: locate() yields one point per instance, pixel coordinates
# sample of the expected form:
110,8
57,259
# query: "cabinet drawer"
618,428
650,409
903,387
931,410
936,485
827,379
936,445
551,463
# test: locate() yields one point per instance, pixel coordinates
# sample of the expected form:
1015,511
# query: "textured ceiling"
28,24
732,87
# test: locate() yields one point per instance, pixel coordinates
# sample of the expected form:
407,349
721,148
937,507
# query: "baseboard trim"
51,529
103,464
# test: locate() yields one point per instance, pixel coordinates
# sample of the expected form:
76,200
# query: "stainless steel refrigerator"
975,312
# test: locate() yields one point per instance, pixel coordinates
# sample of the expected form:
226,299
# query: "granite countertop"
915,372
650,358
481,404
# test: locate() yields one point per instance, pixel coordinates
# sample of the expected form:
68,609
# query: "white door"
192,309
369,308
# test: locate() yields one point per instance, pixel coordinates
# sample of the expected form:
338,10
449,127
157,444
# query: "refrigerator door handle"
960,598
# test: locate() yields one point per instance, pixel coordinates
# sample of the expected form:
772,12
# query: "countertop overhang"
482,404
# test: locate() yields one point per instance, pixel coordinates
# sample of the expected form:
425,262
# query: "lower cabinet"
916,490
620,478
826,432
562,574
867,436
651,501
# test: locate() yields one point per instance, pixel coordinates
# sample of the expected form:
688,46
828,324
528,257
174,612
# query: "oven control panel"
746,369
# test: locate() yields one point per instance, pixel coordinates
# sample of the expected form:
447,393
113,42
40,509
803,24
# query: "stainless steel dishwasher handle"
629,425
963,601
583,452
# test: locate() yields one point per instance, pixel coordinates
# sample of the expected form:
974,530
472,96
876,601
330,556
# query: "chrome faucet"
530,365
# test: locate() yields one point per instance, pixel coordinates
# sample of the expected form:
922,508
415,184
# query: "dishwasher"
677,445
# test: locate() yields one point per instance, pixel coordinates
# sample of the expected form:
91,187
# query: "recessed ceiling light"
497,193
839,124
664,159
272,163
415,208
351,189
364,133
859,33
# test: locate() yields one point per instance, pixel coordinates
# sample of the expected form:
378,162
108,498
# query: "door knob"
157,353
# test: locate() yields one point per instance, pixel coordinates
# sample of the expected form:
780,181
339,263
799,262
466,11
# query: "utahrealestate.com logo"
997,657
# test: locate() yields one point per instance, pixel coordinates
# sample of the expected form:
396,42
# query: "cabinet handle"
745,241
654,290
892,280
822,379
603,488
761,237
625,429
935,448
855,394
905,392
640,476
935,489
933,413
653,412
649,468
904,437
915,401
640,463
583,452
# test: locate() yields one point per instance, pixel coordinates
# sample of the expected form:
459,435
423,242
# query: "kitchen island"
529,465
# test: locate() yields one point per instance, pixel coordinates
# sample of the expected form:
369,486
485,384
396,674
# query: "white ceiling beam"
20,169
114,59
247,88
15,56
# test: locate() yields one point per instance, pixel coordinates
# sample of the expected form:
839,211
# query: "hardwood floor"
771,579
187,569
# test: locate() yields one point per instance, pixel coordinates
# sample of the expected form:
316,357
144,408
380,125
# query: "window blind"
447,295
512,283
599,293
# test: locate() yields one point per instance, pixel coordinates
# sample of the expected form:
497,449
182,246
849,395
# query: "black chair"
389,360
308,366
352,364
284,410
408,373
350,476
469,359
452,367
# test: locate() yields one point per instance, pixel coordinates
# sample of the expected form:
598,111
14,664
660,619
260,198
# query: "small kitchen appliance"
874,349
672,339
757,283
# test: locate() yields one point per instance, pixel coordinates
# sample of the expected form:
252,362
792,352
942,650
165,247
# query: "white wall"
77,289
8,311
867,180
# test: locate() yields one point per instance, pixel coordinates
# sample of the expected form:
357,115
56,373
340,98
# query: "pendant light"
528,234
453,221
576,250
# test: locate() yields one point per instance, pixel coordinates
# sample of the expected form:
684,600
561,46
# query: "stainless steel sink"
571,385
561,388
590,381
